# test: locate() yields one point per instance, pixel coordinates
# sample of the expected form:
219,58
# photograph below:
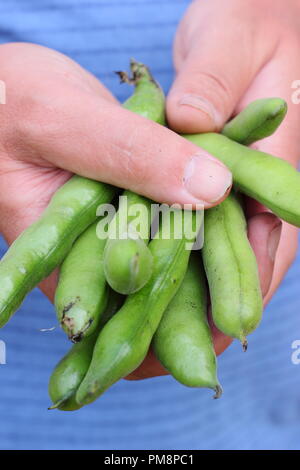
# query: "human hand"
60,120
228,53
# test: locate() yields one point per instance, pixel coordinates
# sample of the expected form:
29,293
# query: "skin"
82,291
124,341
263,62
183,341
228,78
232,77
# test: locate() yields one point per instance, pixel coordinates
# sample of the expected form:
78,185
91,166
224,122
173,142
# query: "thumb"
209,83
101,140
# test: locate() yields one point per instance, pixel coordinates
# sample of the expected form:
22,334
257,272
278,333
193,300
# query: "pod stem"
218,392
57,404
79,336
138,71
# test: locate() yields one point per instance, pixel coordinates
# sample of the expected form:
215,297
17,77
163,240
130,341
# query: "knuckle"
217,87
134,163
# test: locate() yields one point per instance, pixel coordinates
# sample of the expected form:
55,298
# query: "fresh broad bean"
124,341
128,266
127,259
231,270
258,120
255,122
183,342
82,292
148,98
71,369
272,181
44,245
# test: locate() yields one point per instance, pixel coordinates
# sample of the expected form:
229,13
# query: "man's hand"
228,53
60,120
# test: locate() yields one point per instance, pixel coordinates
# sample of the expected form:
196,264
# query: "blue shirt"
260,407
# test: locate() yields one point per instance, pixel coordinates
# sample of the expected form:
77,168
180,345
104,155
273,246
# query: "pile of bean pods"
119,295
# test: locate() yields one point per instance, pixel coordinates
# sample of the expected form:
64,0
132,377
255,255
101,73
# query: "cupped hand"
228,53
58,120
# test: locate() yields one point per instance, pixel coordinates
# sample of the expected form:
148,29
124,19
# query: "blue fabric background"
260,407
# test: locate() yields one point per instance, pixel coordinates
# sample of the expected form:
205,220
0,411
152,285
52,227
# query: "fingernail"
273,240
203,105
206,178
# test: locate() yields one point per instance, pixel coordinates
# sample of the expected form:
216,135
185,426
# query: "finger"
286,254
48,285
264,231
62,119
44,66
279,74
215,72
150,367
220,340
101,140
20,209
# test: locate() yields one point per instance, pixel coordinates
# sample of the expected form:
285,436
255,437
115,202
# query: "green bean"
82,292
148,99
183,342
43,246
272,181
231,270
255,122
124,341
71,369
258,120
127,259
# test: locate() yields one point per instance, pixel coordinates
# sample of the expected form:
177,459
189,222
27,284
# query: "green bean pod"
272,181
71,369
124,341
44,245
82,292
127,259
231,270
255,122
148,99
183,342
258,120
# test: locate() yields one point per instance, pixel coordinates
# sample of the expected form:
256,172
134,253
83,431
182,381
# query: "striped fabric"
260,407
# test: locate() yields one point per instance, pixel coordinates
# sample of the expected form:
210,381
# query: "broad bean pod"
127,259
124,341
44,245
82,291
272,181
183,341
71,369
